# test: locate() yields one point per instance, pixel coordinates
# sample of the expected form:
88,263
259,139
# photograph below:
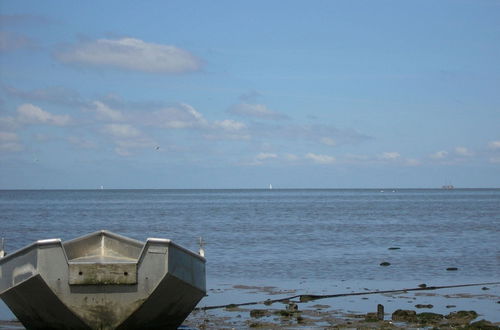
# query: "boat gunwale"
35,244
58,241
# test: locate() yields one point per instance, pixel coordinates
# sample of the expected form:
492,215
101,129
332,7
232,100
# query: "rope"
309,297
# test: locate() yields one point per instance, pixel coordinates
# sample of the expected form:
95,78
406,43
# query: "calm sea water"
268,236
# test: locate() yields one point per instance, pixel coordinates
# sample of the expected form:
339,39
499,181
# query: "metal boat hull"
102,281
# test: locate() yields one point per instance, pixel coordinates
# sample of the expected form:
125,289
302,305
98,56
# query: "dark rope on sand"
310,297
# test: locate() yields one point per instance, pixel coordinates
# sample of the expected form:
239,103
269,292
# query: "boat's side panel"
17,268
37,307
183,265
167,307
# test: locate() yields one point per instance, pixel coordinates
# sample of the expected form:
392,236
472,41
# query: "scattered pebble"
452,268
385,264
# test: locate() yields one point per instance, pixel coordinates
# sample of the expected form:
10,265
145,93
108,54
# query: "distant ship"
448,187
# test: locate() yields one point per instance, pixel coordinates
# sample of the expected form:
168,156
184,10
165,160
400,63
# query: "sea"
319,241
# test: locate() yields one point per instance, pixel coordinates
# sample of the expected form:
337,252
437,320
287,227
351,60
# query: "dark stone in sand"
284,313
385,264
485,288
429,317
257,313
461,317
424,306
404,315
451,268
423,285
371,317
380,312
268,302
482,324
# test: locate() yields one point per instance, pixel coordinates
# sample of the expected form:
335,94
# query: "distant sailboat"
270,186
102,187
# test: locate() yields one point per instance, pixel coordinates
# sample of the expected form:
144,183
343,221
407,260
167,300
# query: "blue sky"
241,94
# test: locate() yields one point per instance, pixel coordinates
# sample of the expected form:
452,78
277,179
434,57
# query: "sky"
243,94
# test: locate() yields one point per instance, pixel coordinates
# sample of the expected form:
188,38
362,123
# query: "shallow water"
311,240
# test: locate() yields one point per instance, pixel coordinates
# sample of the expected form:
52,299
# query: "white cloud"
329,141
131,54
321,159
390,155
439,154
104,112
495,160
128,138
260,158
413,162
9,142
181,116
494,144
462,151
357,158
291,157
266,155
122,131
256,110
230,125
31,114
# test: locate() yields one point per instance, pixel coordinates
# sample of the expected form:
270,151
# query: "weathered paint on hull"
102,281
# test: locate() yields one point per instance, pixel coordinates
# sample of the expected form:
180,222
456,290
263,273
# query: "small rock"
482,324
429,317
371,317
394,248
424,306
380,312
451,306
284,313
451,268
423,285
461,317
404,315
257,313
485,288
385,264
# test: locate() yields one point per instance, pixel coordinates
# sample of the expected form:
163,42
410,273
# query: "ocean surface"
310,240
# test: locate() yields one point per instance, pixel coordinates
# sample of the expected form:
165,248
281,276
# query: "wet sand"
471,308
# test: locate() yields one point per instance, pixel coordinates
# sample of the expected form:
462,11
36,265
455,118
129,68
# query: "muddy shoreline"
451,308
272,307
